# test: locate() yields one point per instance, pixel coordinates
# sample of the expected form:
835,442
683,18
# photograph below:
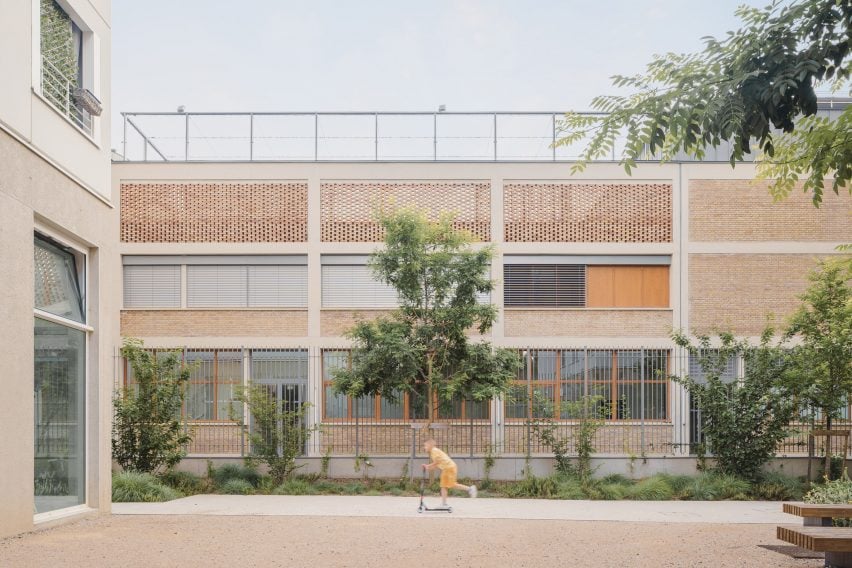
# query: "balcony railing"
59,91
346,136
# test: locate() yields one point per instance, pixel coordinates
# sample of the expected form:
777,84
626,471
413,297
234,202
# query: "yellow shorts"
449,477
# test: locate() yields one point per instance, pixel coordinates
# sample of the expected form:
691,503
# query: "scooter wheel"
420,509
449,509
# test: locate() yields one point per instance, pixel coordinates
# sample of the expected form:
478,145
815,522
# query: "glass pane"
230,375
392,408
59,398
332,360
451,409
201,390
285,365
544,365
365,407
335,404
418,403
57,287
569,392
543,403
478,409
602,393
573,365
516,402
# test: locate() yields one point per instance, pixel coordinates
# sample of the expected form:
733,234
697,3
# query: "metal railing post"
251,137
186,138
642,401
376,135
495,136
553,144
124,141
316,137
434,137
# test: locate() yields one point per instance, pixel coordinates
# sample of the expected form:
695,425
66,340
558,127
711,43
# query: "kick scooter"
423,506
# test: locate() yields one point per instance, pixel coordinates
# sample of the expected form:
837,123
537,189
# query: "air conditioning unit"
87,100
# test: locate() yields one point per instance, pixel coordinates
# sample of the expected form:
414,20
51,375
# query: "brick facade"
214,212
214,323
588,212
347,209
334,323
588,323
737,292
743,210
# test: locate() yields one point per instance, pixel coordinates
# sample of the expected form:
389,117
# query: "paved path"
721,512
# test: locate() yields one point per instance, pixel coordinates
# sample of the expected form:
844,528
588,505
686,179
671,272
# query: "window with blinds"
353,286
544,285
152,286
240,286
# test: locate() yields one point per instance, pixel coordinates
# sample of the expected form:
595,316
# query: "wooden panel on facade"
627,287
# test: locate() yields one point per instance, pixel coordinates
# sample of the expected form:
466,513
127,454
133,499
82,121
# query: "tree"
822,373
147,432
422,347
743,420
755,86
279,434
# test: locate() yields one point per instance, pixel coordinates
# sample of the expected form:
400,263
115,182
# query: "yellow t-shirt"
442,459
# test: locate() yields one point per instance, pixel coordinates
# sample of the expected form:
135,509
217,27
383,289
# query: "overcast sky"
281,55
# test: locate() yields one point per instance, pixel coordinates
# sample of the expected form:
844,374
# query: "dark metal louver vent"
545,285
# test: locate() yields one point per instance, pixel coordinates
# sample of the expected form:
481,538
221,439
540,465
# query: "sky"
381,55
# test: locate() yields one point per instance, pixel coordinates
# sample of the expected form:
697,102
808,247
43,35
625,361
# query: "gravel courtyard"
210,541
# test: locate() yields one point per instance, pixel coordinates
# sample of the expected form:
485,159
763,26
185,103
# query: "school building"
244,240
60,262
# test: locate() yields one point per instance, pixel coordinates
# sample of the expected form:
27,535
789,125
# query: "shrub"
237,487
535,487
611,491
678,483
715,486
837,491
221,475
655,488
183,481
147,433
743,421
570,488
775,486
133,486
731,487
296,487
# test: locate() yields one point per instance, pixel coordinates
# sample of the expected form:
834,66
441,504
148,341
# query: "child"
449,471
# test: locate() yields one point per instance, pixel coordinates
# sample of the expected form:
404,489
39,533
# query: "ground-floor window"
628,384
59,370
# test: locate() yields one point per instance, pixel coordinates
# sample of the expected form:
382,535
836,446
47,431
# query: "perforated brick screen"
214,212
588,212
348,207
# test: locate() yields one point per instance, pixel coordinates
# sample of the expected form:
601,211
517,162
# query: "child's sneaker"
472,491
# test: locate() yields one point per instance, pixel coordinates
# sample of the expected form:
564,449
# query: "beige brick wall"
588,323
214,212
612,438
737,292
588,212
347,208
334,323
742,210
214,323
374,439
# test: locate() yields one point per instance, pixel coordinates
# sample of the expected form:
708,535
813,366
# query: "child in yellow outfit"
449,471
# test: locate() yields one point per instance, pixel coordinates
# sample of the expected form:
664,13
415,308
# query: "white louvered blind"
235,286
279,286
152,286
353,286
544,285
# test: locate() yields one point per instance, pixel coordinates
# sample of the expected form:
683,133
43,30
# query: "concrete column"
497,332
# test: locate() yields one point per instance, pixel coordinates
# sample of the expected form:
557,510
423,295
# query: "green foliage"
711,486
654,488
489,462
230,471
775,486
134,487
147,432
821,374
745,421
570,488
611,491
424,343
743,89
57,43
296,487
678,483
534,487
588,414
326,461
183,481
236,487
836,491
279,433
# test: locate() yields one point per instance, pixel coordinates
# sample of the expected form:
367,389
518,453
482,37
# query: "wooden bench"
817,532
